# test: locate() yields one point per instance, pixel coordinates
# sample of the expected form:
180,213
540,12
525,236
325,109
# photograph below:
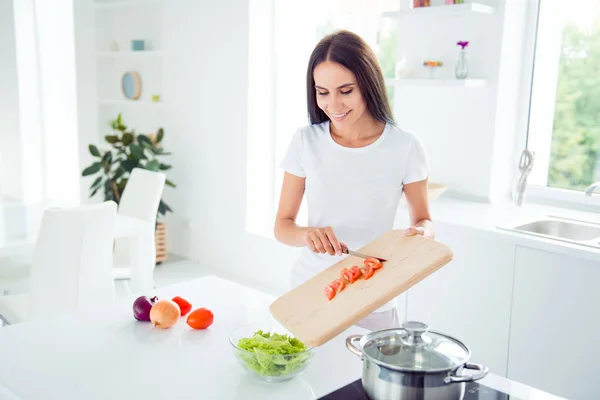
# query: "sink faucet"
592,188
525,166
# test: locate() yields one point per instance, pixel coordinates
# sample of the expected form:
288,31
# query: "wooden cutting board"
307,313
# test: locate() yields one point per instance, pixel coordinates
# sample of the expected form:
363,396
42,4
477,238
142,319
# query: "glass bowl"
262,364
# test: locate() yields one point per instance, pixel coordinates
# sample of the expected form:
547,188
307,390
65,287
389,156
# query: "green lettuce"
273,354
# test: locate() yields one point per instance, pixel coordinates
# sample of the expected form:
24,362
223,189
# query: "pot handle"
468,378
352,347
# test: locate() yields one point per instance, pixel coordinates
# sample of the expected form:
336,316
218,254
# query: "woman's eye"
322,94
347,92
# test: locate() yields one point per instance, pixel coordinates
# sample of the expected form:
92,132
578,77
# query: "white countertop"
104,353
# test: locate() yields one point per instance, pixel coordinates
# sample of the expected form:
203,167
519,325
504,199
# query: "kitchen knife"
346,250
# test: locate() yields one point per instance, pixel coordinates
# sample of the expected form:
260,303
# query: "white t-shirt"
355,191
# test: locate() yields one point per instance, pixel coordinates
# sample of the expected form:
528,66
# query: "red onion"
142,306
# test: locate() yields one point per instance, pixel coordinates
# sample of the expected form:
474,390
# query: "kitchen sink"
560,228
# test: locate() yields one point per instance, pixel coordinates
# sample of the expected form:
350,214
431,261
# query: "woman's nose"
335,103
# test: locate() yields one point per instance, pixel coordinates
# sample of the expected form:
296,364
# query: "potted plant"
113,166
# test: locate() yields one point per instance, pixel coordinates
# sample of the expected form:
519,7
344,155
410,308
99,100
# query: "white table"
103,353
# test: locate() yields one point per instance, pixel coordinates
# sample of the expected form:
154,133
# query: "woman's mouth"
340,117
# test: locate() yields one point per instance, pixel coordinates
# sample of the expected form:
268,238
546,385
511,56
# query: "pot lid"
414,348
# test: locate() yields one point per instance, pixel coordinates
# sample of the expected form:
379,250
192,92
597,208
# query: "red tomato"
348,275
338,284
329,292
373,263
200,318
368,272
356,272
183,304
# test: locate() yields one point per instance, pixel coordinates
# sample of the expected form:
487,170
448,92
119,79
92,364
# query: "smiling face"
338,94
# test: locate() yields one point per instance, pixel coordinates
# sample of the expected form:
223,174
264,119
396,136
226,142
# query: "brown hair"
353,53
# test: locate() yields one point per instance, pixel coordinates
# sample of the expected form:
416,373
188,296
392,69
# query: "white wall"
205,92
10,144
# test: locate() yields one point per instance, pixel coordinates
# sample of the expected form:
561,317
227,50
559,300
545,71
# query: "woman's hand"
420,229
414,230
323,240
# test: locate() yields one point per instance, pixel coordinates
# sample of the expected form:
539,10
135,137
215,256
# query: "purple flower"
463,44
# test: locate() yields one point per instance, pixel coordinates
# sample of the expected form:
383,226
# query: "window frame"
534,193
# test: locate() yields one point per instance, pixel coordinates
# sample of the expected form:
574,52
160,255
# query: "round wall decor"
131,85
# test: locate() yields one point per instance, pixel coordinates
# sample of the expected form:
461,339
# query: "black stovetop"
473,391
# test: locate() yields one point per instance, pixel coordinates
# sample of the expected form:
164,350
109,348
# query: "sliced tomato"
368,272
348,275
373,263
338,285
356,272
329,292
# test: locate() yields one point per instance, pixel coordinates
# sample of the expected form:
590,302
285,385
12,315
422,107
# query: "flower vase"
461,70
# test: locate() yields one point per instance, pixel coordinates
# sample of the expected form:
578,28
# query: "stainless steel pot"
413,363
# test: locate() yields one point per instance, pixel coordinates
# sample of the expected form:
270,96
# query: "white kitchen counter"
489,217
104,353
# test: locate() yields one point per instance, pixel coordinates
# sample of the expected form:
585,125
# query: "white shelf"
128,54
125,3
445,10
474,83
135,103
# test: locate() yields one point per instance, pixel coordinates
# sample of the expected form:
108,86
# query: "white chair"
135,255
72,263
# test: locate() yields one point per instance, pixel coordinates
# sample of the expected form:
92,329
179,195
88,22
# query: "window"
564,115
281,38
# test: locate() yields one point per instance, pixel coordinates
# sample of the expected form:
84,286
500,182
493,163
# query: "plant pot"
160,238
413,362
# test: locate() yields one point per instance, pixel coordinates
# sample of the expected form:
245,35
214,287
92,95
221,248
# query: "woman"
352,163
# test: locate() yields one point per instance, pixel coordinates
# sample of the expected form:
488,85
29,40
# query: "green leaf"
129,165
164,167
121,185
136,151
111,138
163,208
160,134
92,169
119,119
119,173
144,140
153,165
127,139
96,183
95,191
169,183
107,158
94,150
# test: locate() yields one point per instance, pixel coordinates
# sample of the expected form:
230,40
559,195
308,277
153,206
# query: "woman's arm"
286,230
418,208
320,240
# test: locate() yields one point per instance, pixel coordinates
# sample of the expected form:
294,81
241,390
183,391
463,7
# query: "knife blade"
346,250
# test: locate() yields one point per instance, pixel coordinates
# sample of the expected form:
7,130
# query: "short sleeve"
292,161
417,165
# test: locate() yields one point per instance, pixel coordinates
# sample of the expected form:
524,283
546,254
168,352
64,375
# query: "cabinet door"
469,298
555,327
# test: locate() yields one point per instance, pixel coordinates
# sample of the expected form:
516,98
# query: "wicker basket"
160,237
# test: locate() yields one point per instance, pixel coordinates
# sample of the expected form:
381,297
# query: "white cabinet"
555,327
469,298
